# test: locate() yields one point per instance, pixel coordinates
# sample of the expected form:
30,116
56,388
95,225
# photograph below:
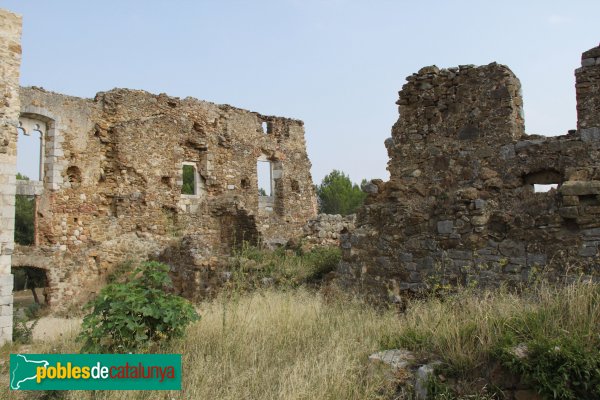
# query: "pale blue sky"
336,64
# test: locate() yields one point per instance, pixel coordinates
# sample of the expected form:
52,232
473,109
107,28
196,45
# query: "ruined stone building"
10,57
111,185
460,206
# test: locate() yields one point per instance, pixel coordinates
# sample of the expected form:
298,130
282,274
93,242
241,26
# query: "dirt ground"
48,327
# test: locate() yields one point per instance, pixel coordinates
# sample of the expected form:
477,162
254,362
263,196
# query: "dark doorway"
30,287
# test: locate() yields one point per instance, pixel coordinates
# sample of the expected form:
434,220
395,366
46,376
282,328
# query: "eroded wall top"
461,205
464,106
114,182
588,87
10,54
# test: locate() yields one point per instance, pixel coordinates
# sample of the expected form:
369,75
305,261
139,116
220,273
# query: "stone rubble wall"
460,206
325,229
112,187
10,56
588,86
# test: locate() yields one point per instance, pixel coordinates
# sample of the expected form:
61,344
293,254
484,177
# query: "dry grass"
271,345
293,344
465,328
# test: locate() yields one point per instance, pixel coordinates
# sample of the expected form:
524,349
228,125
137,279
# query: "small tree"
136,314
337,194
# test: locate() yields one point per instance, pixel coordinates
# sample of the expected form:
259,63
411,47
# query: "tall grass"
464,328
273,345
296,344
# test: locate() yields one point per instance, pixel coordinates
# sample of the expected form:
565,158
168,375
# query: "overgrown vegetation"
470,330
252,268
338,195
137,314
270,335
24,322
269,344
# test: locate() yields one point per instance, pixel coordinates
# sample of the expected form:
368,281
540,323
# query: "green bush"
561,368
137,314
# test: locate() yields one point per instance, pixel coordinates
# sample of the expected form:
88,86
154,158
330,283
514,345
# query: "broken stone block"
569,212
422,378
445,227
579,188
590,134
588,62
370,188
397,359
570,200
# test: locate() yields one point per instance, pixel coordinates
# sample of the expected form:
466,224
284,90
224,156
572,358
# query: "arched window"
30,148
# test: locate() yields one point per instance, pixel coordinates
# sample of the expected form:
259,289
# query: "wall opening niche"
30,287
539,188
30,149
267,127
265,184
544,180
192,183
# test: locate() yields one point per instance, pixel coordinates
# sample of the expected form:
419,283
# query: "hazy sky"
336,64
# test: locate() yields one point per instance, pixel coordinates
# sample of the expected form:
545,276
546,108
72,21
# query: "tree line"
338,195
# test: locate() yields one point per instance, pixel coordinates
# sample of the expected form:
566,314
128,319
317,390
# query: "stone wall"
10,56
588,86
325,229
460,205
112,186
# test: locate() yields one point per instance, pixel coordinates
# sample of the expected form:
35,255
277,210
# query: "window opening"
189,180
539,188
29,152
264,171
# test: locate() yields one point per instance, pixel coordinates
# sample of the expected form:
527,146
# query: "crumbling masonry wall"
588,93
10,55
112,187
460,206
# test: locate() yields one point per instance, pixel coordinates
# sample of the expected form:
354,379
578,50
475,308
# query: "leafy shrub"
562,368
22,329
136,314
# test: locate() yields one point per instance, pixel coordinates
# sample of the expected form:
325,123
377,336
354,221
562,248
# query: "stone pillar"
587,87
10,108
